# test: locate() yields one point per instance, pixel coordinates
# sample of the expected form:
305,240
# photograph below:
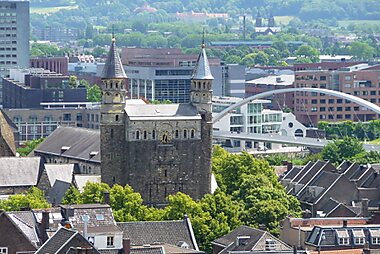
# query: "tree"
94,93
253,182
72,196
29,146
34,198
343,149
306,51
73,81
362,50
98,51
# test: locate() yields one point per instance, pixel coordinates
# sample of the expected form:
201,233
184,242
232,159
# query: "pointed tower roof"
202,68
113,67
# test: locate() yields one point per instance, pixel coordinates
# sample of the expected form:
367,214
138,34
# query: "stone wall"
156,169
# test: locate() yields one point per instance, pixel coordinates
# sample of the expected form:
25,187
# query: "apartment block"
361,80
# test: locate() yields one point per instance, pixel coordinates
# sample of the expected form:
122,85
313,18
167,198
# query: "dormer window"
359,236
375,236
343,237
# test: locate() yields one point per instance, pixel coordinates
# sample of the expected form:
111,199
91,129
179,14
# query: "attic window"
99,217
343,237
359,236
270,244
375,236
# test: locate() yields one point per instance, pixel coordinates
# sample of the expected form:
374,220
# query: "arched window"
137,134
145,135
153,134
192,134
111,133
117,118
184,133
116,85
176,134
204,85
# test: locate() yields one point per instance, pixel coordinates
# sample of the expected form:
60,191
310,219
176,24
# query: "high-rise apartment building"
361,80
14,36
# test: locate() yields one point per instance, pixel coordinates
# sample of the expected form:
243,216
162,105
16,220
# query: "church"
161,149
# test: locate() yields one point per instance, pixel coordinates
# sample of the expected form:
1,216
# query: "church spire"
202,68
113,68
201,83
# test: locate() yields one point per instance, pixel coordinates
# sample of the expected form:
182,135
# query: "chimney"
345,223
126,246
45,220
364,207
288,165
106,196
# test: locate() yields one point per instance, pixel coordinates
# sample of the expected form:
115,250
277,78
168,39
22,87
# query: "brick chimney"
126,246
106,197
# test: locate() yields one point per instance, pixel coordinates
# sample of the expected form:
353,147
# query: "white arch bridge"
288,139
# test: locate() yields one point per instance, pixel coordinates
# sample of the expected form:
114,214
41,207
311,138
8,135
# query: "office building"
14,37
27,88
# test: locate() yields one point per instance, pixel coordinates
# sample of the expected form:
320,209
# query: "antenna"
113,32
203,38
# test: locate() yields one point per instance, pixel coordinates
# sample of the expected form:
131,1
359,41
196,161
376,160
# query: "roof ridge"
141,222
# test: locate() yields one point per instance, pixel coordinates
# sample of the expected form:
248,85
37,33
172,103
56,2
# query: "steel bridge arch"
338,94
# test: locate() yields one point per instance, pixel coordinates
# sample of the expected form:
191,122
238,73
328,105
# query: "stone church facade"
157,149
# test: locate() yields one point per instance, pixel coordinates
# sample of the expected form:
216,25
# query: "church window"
204,85
111,85
203,95
111,133
116,85
137,134
184,133
176,134
117,118
192,133
153,134
145,135
165,192
166,173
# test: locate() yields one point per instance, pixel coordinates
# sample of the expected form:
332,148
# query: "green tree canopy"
342,149
34,198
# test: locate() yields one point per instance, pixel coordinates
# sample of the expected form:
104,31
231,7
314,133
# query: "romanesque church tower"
161,149
112,116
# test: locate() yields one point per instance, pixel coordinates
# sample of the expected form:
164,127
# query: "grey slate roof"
81,180
7,127
80,140
106,223
255,235
27,224
150,232
139,111
113,67
20,171
327,236
202,69
62,241
62,172
148,250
